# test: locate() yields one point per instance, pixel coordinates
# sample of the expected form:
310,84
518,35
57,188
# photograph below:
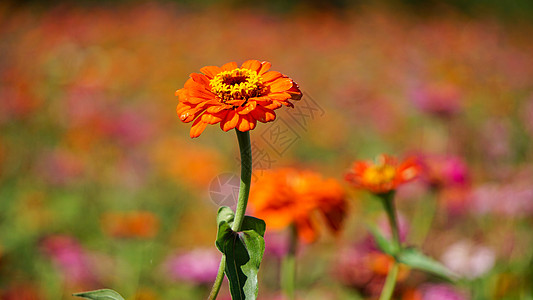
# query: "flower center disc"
237,84
379,174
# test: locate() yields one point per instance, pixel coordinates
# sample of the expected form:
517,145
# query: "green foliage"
104,294
417,260
244,252
382,242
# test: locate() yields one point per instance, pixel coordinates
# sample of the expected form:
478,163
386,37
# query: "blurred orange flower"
288,196
234,97
136,224
383,176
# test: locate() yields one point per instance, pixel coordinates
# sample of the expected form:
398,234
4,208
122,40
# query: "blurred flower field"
101,185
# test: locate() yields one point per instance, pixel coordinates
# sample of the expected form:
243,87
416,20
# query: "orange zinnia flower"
234,97
135,224
288,196
383,176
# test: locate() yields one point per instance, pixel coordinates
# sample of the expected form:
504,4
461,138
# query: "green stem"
244,190
246,177
390,209
288,267
218,280
390,282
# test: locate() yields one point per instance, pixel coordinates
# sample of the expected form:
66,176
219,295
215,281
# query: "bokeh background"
100,185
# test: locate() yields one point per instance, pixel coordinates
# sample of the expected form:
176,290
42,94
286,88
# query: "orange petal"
248,108
252,64
236,102
280,85
213,118
273,105
229,66
263,114
230,121
189,115
279,96
306,230
201,79
265,66
181,107
197,128
244,124
251,120
210,71
217,108
201,93
271,75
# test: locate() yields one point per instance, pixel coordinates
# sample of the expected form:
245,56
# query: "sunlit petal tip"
252,64
197,128
229,66
210,71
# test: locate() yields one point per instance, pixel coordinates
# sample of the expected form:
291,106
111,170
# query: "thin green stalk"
390,209
390,283
218,281
244,190
288,265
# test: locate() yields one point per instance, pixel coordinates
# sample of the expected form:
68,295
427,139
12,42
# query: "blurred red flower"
288,196
383,176
234,97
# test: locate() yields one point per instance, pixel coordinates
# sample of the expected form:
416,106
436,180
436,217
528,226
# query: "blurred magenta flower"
364,268
71,259
276,243
442,171
198,266
441,292
438,99
468,259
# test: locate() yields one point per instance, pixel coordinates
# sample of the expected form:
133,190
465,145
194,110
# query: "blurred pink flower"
198,266
449,176
70,258
441,171
60,167
438,99
276,243
468,259
441,292
512,199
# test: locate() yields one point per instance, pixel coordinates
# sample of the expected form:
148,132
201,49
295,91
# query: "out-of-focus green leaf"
417,260
104,294
382,242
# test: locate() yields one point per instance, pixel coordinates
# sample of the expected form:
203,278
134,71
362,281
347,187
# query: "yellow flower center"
237,84
379,174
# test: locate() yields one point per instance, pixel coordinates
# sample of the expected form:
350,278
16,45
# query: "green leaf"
382,242
255,224
417,260
244,252
225,214
104,294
